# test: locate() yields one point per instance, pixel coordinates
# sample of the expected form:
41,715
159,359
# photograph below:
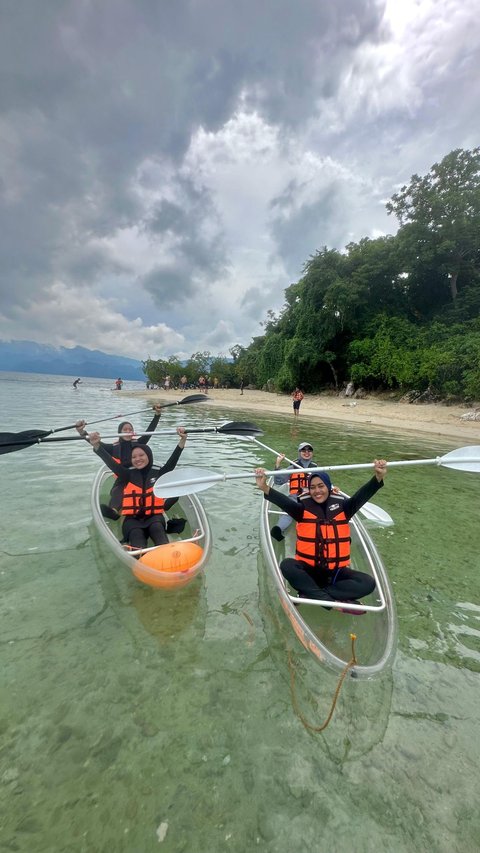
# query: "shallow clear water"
134,720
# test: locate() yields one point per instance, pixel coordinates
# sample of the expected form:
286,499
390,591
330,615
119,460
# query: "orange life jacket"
298,481
136,500
324,544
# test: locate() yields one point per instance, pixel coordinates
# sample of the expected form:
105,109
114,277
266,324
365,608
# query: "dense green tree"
199,362
223,370
156,370
440,216
398,311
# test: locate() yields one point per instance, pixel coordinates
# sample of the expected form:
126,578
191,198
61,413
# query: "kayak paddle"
19,440
11,441
370,511
198,479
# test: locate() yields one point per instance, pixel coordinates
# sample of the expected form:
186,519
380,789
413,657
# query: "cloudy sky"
167,166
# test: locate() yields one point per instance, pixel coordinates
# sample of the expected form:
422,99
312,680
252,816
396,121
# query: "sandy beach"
380,413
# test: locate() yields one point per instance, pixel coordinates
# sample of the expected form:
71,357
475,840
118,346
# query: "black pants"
137,531
341,585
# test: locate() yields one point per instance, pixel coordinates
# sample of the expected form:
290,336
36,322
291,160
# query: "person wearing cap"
321,566
297,483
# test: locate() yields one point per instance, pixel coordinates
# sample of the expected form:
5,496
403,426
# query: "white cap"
303,445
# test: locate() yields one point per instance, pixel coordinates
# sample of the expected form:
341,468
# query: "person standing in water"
297,397
77,383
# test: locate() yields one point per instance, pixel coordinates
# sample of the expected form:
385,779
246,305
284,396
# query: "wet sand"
381,413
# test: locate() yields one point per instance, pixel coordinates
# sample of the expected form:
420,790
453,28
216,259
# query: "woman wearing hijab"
321,566
121,451
143,512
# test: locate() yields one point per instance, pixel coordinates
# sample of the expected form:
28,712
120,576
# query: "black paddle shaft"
11,441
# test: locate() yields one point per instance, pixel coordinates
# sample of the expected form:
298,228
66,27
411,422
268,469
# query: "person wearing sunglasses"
297,483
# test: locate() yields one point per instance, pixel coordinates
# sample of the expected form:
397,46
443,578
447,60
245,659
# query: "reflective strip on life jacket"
324,544
298,481
136,500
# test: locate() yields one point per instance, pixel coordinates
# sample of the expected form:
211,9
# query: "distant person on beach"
77,383
297,397
183,383
241,385
202,384
118,384
166,383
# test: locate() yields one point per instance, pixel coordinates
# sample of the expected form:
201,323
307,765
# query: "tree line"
397,312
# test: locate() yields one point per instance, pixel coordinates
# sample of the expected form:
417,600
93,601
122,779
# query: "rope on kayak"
351,662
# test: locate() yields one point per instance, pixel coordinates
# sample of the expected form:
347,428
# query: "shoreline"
433,419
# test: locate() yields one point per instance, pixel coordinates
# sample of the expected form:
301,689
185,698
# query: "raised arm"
175,456
280,479
100,450
80,427
144,439
288,504
365,492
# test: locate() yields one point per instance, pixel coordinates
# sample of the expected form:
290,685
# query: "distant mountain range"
30,357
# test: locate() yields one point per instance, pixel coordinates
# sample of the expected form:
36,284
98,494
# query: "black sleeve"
170,463
290,505
364,493
144,439
110,448
119,470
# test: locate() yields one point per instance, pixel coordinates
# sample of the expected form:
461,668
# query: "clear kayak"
163,566
327,633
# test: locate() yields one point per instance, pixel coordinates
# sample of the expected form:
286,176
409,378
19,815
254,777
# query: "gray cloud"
125,166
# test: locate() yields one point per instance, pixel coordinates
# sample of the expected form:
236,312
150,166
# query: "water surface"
134,720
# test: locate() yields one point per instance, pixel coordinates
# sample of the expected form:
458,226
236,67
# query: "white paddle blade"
463,459
185,481
377,515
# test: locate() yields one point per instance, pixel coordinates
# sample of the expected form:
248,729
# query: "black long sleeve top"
295,508
130,475
142,439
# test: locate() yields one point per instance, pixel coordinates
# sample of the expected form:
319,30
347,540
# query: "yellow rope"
297,710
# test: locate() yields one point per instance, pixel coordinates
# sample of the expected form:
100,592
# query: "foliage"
395,312
440,215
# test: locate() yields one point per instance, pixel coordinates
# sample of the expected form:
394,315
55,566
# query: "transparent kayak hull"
326,634
166,566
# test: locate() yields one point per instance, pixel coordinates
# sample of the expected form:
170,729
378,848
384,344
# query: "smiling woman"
321,567
143,511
